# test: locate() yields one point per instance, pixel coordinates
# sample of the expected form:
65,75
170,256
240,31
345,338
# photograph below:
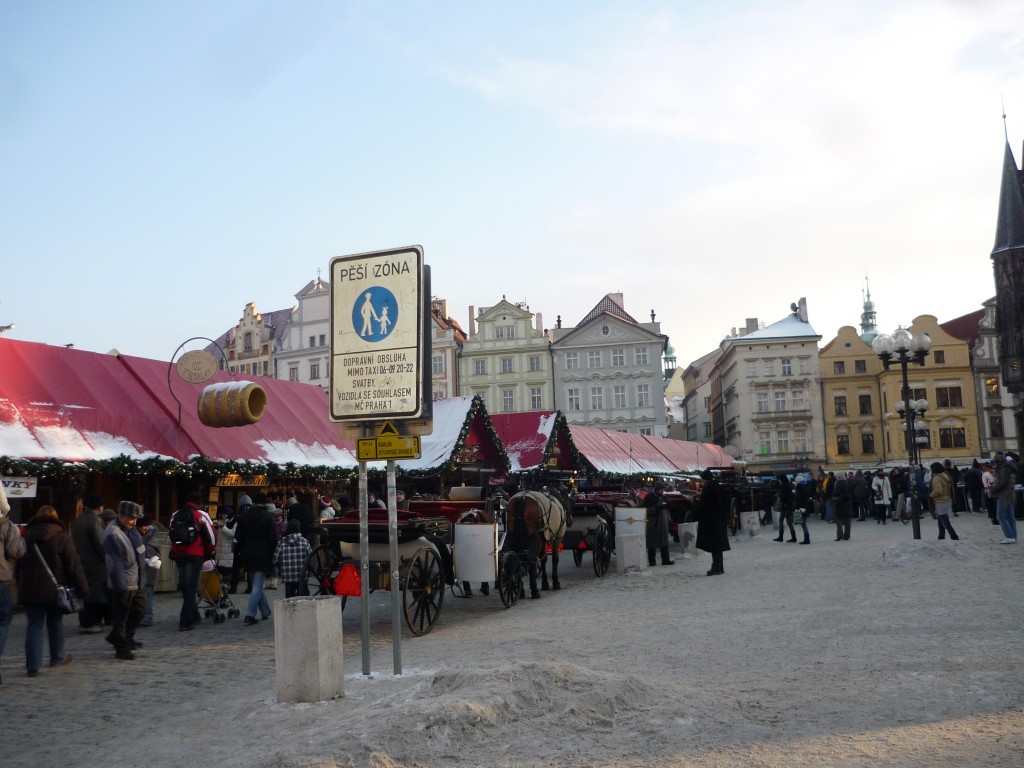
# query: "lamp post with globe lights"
903,348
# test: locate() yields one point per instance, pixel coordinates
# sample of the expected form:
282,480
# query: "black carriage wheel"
322,568
423,593
577,557
602,549
510,579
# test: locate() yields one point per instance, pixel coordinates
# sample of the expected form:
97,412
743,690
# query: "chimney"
802,309
539,322
472,321
751,325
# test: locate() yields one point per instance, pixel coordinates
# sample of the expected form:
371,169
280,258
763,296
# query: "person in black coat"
256,537
712,522
302,511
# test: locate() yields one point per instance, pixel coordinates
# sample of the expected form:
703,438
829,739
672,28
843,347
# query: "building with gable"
250,347
447,340
765,396
607,370
305,353
506,360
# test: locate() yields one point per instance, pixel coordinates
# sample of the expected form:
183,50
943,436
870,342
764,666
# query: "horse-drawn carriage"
441,545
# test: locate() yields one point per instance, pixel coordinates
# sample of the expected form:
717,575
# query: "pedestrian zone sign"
376,335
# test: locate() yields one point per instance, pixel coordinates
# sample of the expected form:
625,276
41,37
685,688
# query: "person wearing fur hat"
126,577
87,534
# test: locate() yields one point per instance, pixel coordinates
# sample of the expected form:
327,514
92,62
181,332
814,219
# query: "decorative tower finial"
868,329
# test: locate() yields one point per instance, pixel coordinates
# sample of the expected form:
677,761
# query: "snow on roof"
788,327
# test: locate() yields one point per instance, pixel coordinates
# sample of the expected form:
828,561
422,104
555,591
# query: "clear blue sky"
163,164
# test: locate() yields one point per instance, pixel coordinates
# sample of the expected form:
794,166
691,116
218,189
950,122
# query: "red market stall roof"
618,453
533,438
71,405
295,428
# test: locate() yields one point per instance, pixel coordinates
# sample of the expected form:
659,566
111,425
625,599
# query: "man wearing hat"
1003,489
658,524
126,576
87,535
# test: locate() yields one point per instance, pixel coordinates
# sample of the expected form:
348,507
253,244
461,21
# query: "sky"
163,164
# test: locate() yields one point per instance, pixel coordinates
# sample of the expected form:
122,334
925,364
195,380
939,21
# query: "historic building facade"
446,342
250,347
765,395
506,359
608,370
305,354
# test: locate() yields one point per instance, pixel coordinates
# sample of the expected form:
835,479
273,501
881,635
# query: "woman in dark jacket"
712,522
45,535
256,537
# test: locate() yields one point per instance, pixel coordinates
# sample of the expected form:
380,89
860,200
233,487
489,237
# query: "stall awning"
618,453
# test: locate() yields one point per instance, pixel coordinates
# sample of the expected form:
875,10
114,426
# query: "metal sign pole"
364,568
396,597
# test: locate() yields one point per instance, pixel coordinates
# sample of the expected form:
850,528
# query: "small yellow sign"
388,447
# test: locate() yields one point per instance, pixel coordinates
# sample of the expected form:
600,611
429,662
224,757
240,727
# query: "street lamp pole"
904,349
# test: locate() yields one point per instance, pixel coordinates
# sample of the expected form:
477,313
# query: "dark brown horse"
532,521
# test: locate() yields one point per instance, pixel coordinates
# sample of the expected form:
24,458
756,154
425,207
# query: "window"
508,400
536,399
948,397
780,401
838,367
643,395
787,366
992,386
247,341
479,367
506,365
860,366
572,399
504,331
761,404
707,429
437,365
312,341
323,340
293,373
619,395
751,369
596,398
618,358
918,394
865,404
805,366
572,360
769,367
952,437
842,444
764,443
798,400
995,425
867,443
840,403
645,431
534,362
782,441
314,371
800,441
594,358
640,354
940,356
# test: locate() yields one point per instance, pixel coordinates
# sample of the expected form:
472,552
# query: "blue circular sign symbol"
375,313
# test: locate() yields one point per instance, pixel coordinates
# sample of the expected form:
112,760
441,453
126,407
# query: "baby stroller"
214,600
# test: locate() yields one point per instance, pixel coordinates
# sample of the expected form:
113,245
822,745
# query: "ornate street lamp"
904,349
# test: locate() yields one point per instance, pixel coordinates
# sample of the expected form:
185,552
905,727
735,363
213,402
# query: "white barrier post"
630,539
308,649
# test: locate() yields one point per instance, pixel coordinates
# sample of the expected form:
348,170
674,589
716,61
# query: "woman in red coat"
45,538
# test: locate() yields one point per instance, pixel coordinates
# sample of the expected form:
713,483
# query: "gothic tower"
1008,265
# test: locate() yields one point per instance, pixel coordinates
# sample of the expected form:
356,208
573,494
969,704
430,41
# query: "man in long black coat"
712,522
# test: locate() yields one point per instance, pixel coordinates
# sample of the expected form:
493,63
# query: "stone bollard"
688,539
750,522
630,539
308,649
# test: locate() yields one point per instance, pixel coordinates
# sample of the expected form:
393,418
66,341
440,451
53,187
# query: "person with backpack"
192,542
256,536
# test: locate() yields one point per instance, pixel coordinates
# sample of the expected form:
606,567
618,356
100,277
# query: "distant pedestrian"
1003,488
881,490
189,556
785,492
126,577
47,546
290,557
941,501
657,525
712,531
842,497
802,501
257,542
147,531
87,534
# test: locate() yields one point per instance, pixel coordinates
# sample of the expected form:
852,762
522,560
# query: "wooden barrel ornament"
232,404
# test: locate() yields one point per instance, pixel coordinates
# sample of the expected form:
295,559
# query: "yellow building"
859,401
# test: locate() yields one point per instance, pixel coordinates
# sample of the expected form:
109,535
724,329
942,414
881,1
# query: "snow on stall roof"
317,454
449,416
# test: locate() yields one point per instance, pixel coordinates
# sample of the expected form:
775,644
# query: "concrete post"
308,649
630,539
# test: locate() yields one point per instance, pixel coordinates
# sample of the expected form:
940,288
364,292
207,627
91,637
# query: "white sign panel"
20,487
376,315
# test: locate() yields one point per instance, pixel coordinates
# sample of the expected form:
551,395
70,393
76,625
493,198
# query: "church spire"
868,329
1010,221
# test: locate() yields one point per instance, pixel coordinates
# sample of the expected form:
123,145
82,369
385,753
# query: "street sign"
388,445
376,335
